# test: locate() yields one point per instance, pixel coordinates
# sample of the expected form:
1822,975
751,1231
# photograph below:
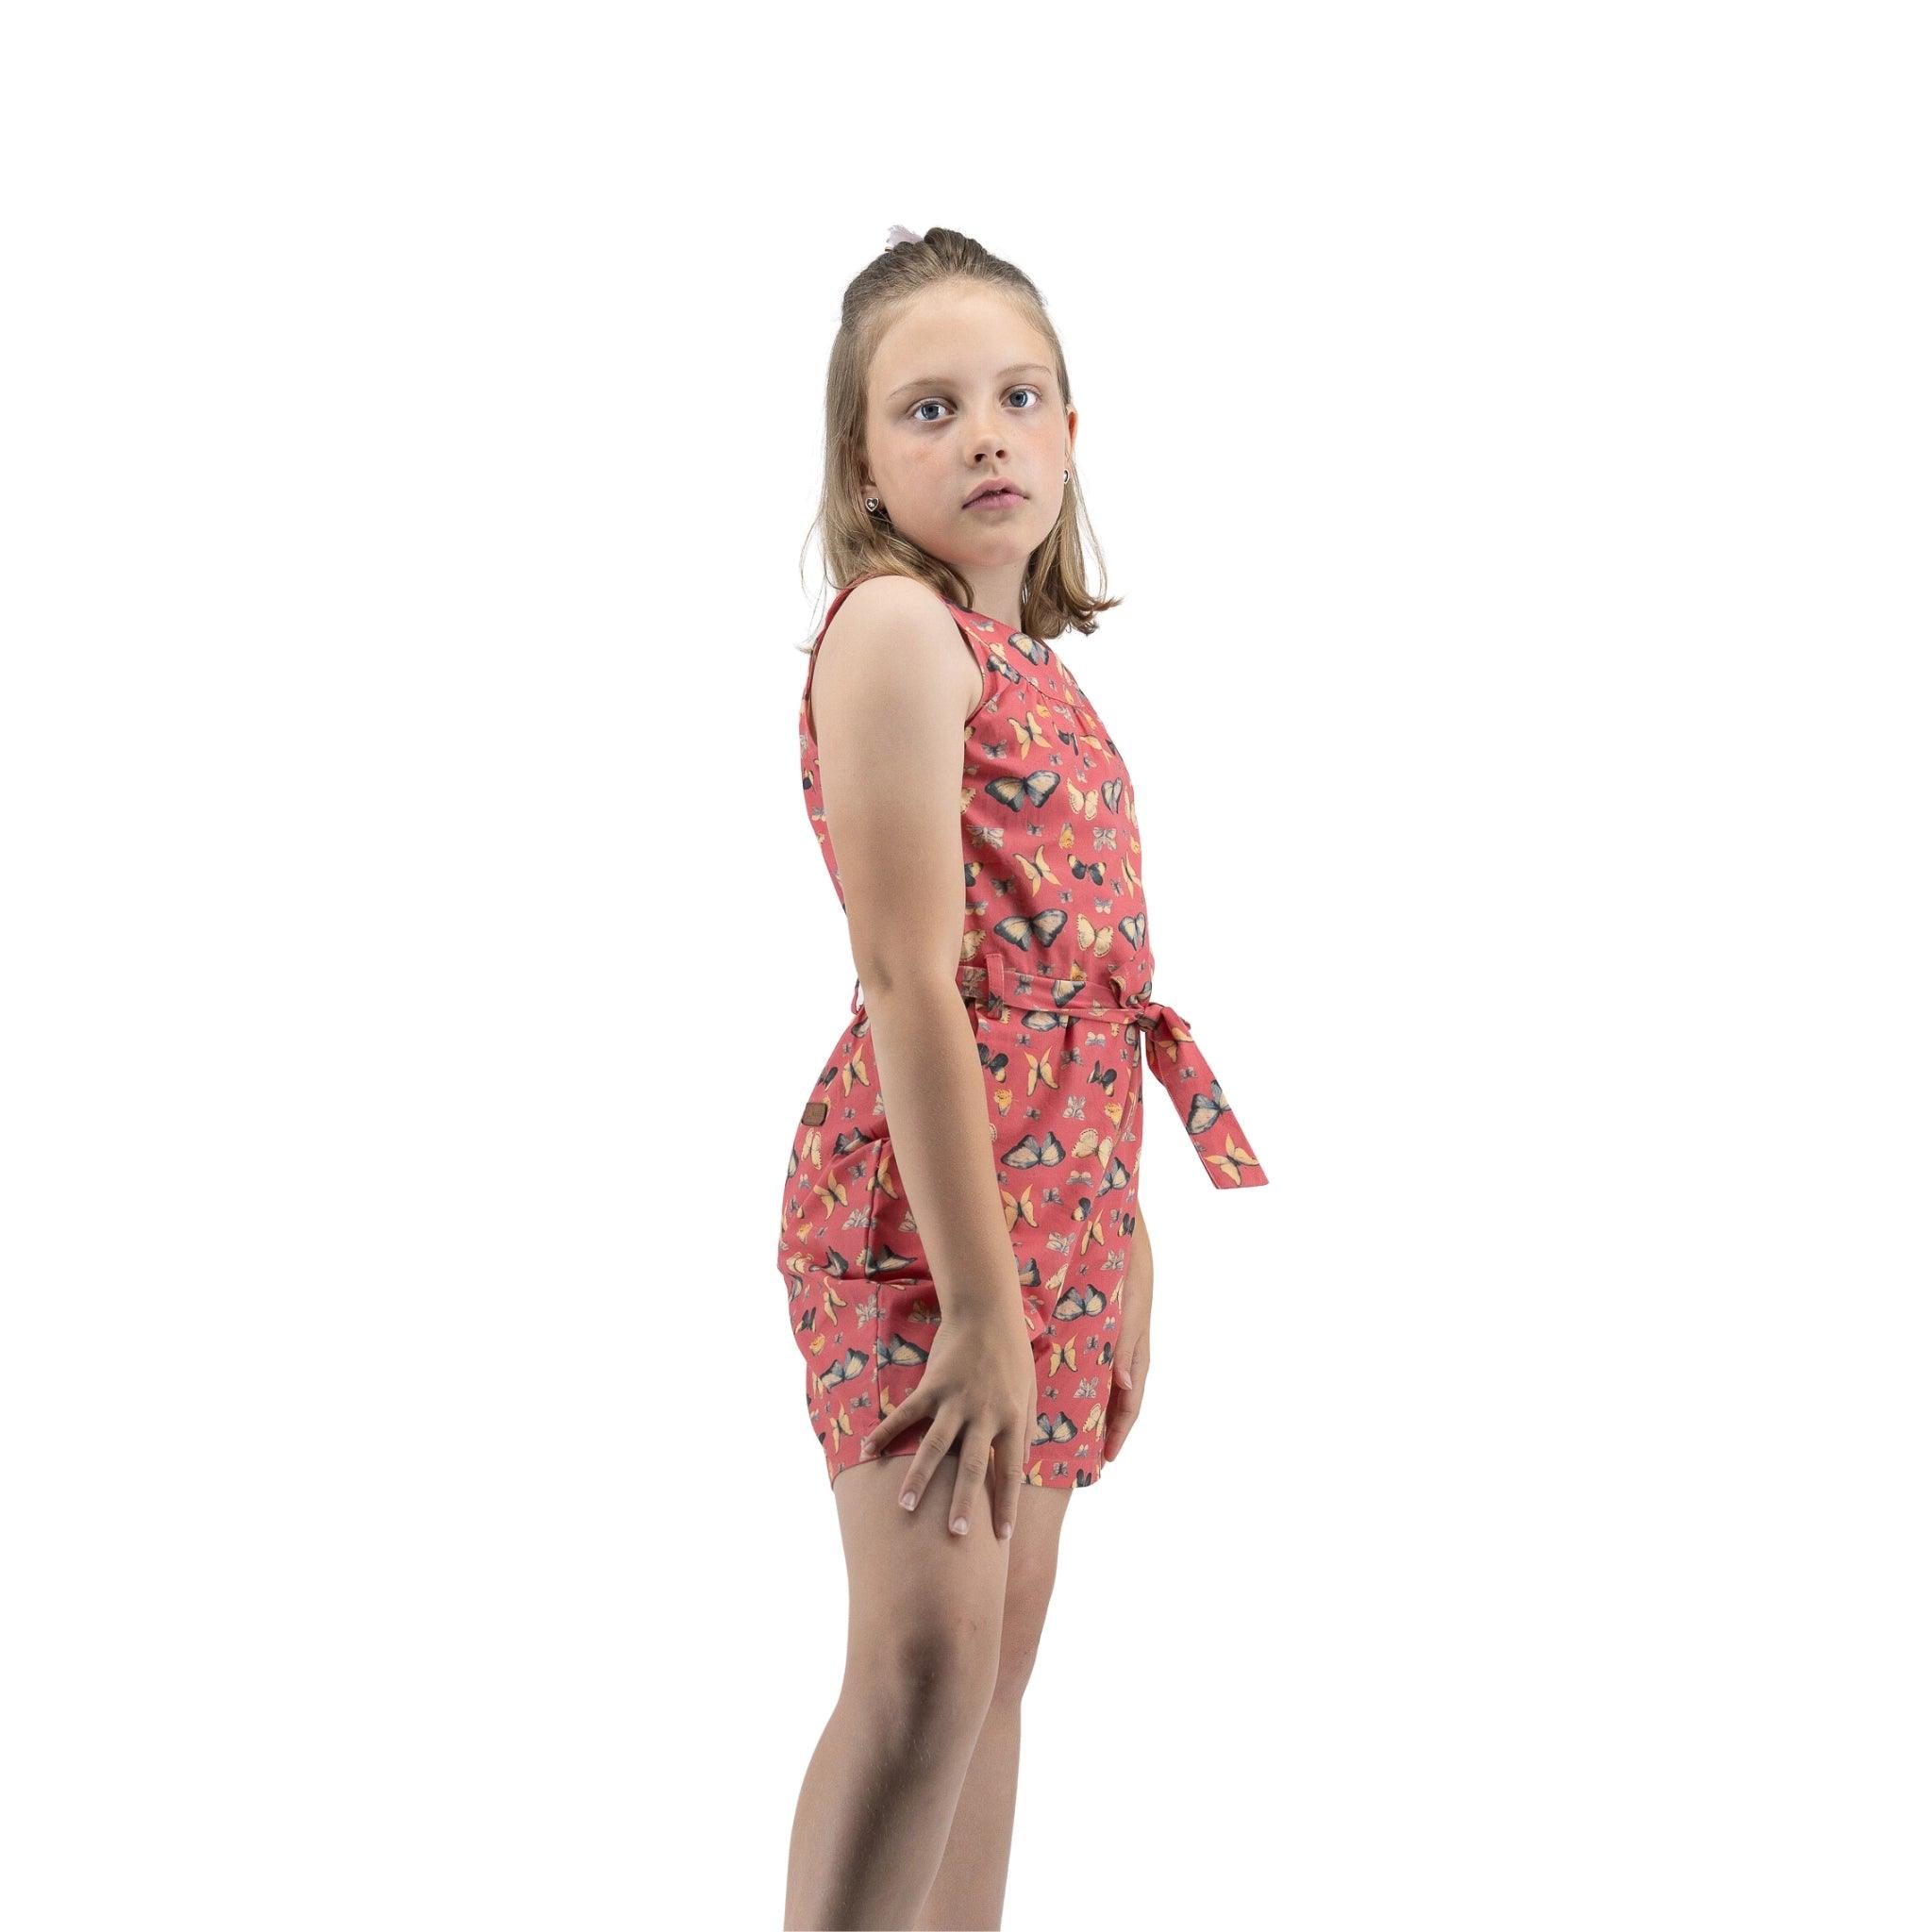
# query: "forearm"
1140,1254
933,1093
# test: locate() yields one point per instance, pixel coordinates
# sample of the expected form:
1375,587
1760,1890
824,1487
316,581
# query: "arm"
893,684
1137,1301
1133,1350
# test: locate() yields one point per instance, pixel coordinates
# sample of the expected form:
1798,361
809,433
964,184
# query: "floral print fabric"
1056,967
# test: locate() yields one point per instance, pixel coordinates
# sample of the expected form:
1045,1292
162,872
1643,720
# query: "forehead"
958,331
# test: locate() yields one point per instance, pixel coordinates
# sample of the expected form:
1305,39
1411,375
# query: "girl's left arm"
1132,1354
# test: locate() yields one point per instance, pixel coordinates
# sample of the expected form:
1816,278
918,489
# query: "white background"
1509,428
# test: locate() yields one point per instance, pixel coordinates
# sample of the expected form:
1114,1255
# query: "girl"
979,823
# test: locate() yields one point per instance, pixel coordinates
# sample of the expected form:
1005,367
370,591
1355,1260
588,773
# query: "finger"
925,1458
1008,1479
975,1453
887,1426
1123,1412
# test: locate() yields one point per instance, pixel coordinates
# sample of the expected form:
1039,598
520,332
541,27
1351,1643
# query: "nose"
987,441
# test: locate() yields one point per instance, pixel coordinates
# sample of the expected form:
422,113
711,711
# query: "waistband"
1218,1138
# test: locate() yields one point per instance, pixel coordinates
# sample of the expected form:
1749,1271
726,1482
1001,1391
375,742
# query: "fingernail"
1126,1380
960,1525
865,1448
1005,1529
908,1499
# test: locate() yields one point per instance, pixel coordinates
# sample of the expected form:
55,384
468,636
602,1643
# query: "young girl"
979,823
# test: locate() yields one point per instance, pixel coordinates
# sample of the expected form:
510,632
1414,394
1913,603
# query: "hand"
978,1389
1132,1352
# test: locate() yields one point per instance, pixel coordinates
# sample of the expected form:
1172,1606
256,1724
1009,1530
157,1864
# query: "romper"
1056,968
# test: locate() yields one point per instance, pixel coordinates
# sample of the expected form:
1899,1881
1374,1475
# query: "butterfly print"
1056,969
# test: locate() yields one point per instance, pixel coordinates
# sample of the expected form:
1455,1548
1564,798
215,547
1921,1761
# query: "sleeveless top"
1055,915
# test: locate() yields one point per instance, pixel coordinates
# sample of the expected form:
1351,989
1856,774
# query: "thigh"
908,1570
908,1573
1032,1561
1033,1553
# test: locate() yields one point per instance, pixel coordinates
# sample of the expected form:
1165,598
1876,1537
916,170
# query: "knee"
1019,1644
1016,1667
940,1676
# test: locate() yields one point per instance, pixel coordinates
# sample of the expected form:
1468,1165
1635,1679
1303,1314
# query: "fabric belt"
1218,1138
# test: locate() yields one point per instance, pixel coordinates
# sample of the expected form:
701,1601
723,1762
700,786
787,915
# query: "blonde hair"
1053,597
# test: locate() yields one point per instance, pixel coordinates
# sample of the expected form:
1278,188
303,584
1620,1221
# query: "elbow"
882,974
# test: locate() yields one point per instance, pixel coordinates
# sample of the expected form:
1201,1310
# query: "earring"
871,503
1066,475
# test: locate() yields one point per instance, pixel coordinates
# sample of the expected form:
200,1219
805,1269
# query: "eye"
1024,388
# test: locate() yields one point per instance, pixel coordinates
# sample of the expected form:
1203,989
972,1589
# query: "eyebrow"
946,381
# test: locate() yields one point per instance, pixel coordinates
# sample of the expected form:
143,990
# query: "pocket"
835,1208
1004,1042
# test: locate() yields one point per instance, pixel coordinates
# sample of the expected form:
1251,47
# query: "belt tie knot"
1216,1136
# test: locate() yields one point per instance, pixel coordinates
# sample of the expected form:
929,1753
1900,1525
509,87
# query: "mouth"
999,497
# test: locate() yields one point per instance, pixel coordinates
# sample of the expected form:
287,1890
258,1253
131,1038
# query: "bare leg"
969,1889
922,1659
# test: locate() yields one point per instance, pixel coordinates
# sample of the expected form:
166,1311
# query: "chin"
1008,546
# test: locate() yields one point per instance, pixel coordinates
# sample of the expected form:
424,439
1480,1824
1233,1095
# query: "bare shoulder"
894,639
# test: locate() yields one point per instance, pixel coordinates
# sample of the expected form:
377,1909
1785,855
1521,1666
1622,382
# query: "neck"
996,592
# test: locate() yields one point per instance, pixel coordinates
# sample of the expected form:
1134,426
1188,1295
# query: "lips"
996,493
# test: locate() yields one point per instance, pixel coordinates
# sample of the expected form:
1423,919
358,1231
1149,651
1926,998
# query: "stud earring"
871,503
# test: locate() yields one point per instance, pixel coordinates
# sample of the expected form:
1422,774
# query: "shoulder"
891,597
894,632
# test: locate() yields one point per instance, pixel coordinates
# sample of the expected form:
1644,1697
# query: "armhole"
978,652
983,657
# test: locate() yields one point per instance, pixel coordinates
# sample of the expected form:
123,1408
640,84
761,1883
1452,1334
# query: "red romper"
1056,967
